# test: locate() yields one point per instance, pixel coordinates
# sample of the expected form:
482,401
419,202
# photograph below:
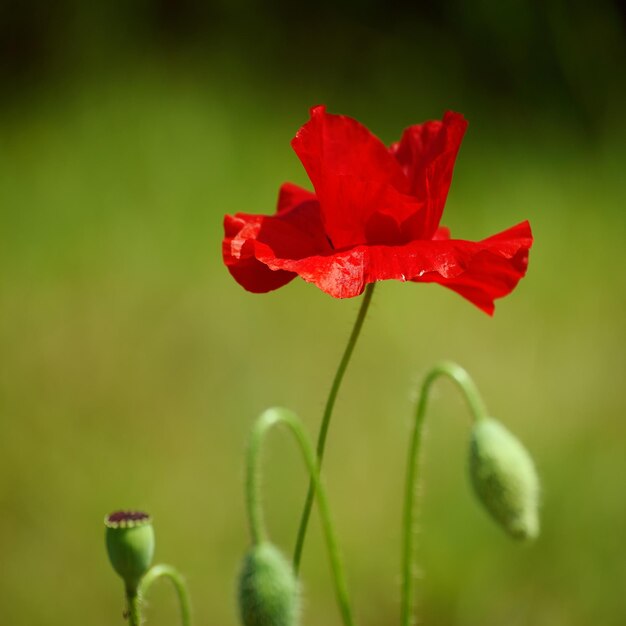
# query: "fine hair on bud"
269,593
504,478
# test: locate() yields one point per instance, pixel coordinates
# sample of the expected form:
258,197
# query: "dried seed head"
268,589
130,544
505,479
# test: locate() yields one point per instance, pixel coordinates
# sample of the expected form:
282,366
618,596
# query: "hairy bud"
268,589
505,479
130,544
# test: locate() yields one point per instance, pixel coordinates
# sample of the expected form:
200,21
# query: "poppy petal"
493,269
290,196
479,271
442,233
354,175
295,231
239,254
426,153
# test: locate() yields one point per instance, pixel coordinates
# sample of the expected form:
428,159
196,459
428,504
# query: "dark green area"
132,365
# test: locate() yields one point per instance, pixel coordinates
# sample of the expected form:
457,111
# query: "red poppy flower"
374,216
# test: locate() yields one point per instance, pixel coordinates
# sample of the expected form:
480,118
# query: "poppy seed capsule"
268,589
130,544
505,479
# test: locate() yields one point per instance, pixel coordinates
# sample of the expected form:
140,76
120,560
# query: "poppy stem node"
262,557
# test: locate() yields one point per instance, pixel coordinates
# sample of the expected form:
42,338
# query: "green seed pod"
268,589
130,544
505,479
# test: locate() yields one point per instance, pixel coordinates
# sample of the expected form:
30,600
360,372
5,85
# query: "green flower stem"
258,531
133,610
328,410
478,411
167,571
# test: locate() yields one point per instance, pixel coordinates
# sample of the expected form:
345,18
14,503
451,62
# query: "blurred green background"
132,365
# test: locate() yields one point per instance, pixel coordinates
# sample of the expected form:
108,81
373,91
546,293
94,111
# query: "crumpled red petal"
493,266
293,233
239,254
479,271
357,180
291,196
426,153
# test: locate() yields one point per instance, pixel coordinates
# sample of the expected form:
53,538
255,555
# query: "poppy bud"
268,588
505,479
130,544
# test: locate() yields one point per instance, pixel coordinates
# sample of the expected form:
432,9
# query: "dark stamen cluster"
126,519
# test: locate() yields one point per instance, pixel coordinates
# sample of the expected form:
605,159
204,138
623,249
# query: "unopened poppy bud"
130,544
268,589
505,479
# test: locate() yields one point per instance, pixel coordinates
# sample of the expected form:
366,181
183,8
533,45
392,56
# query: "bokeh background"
132,365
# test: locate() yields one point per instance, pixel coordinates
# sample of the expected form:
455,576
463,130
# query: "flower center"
127,519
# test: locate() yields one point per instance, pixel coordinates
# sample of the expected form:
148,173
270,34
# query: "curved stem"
478,412
254,507
167,571
133,610
268,419
328,410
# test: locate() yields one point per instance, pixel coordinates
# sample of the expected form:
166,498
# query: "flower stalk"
478,411
328,411
258,531
133,610
167,571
